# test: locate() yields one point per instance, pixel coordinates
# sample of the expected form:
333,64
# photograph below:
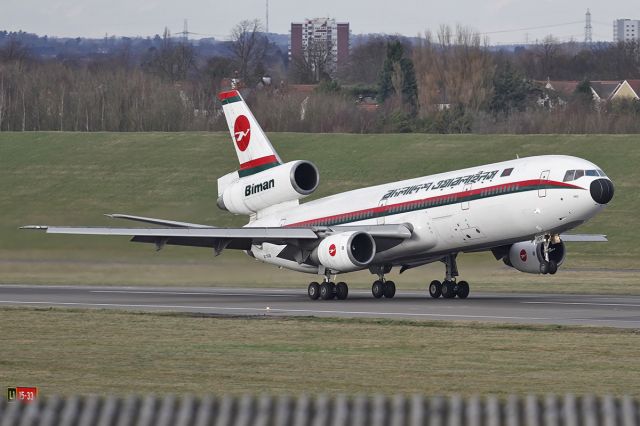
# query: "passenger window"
568,177
592,173
579,174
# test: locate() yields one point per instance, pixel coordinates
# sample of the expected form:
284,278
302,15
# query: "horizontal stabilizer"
154,221
584,238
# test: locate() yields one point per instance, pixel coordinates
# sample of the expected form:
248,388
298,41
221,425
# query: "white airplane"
516,209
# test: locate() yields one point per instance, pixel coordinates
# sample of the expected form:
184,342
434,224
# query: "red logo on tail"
332,250
242,132
523,255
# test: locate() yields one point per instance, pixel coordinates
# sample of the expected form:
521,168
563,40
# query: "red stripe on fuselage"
226,95
458,195
259,162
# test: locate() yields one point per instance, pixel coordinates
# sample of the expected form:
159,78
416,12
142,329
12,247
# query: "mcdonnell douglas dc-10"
519,210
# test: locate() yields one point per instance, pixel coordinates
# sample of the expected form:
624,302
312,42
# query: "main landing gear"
381,287
449,288
328,290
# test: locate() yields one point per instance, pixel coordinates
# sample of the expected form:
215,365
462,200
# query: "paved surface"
593,310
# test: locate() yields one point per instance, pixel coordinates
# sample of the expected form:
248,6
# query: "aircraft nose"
601,191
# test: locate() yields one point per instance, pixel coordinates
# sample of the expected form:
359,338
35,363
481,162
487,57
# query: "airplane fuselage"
460,211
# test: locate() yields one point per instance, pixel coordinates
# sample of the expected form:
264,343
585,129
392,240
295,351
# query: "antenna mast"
267,16
588,30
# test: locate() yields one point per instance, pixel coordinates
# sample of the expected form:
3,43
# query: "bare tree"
248,45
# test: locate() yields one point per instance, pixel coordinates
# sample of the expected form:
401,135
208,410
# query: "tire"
435,289
313,291
377,289
389,289
553,267
463,290
326,291
342,290
544,267
448,290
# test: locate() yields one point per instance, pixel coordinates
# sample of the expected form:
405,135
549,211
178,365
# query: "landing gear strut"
381,287
449,288
547,265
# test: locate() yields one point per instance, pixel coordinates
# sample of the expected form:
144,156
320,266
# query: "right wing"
181,233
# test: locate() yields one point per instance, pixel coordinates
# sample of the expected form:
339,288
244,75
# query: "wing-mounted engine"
286,182
528,256
346,251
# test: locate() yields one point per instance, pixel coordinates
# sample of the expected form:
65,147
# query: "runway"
561,309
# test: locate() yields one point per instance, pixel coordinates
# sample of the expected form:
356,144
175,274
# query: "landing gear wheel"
326,291
553,267
463,289
435,289
342,290
544,267
377,289
313,291
389,289
448,289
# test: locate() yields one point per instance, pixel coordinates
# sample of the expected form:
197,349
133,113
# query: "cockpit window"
577,174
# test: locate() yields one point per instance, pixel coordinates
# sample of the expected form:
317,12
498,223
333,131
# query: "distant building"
326,33
602,91
626,30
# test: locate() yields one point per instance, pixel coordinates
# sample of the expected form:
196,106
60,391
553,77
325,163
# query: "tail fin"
255,152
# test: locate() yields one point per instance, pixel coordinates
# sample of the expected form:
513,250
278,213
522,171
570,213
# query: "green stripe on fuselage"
231,100
392,209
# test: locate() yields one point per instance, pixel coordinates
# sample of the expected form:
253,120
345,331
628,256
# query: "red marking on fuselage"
489,191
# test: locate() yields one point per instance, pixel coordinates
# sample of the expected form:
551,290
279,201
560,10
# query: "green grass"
85,352
73,178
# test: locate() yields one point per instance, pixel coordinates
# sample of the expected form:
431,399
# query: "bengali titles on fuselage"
480,176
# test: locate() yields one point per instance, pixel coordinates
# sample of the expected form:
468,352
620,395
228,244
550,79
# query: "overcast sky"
95,18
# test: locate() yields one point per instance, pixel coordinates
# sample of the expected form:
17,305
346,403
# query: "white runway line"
583,303
188,293
265,310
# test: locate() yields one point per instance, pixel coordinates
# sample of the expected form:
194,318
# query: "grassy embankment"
82,352
73,178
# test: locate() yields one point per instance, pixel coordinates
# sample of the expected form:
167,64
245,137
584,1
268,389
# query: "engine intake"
346,252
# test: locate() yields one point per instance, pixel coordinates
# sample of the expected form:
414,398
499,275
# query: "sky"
503,21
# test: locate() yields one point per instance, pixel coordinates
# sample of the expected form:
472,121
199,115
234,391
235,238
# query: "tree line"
450,81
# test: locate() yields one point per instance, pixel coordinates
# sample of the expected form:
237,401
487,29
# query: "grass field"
73,178
83,352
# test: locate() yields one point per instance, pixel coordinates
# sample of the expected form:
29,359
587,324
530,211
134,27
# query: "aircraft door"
465,204
544,178
381,218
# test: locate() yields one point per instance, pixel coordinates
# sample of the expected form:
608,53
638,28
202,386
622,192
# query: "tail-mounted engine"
528,257
286,182
345,252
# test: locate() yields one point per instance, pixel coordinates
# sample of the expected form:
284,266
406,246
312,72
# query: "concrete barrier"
266,410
